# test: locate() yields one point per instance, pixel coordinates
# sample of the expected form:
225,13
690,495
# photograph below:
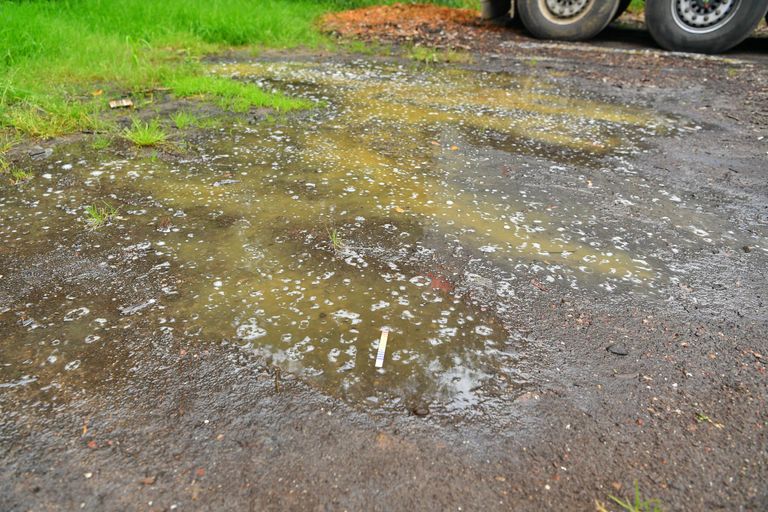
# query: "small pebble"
618,349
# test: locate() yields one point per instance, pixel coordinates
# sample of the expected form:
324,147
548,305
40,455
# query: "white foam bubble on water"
448,331
483,330
351,316
76,313
72,365
698,231
250,330
379,305
420,280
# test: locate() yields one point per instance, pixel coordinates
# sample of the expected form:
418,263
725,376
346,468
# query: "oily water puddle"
300,239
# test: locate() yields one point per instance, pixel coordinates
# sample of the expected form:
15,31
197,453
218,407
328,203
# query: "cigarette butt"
382,347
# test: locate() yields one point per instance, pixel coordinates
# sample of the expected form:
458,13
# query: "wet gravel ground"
666,389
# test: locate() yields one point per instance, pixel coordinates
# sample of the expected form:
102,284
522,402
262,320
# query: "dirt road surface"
567,242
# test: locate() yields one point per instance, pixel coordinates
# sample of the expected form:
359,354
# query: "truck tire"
703,26
567,20
623,6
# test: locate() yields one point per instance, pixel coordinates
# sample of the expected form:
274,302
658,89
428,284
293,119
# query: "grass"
145,134
184,120
432,56
637,6
101,142
98,216
639,504
233,95
50,117
61,61
337,242
20,176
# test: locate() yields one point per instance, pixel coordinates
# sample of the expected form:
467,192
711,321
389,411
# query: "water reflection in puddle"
300,239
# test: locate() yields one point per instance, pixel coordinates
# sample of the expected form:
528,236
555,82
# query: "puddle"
300,239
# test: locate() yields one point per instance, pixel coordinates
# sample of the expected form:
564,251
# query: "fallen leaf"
438,282
97,92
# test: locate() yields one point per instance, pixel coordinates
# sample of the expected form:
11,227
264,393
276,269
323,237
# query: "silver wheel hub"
704,14
566,8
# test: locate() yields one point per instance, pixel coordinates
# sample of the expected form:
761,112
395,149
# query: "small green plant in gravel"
427,55
101,142
337,242
184,120
97,216
639,504
433,56
423,55
146,134
20,176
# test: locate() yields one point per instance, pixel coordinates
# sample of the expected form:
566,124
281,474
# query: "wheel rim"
564,12
703,16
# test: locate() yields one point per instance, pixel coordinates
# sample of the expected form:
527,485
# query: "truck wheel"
623,6
706,26
568,20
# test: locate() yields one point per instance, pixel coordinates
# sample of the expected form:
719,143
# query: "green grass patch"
97,216
55,55
184,120
427,55
20,176
234,95
636,6
50,117
145,134
101,142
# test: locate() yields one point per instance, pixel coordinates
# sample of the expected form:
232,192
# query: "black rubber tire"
669,35
533,14
623,6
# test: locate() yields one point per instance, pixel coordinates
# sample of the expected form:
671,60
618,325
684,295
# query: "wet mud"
573,276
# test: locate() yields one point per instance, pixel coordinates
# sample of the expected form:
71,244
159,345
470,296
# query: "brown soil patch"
414,23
